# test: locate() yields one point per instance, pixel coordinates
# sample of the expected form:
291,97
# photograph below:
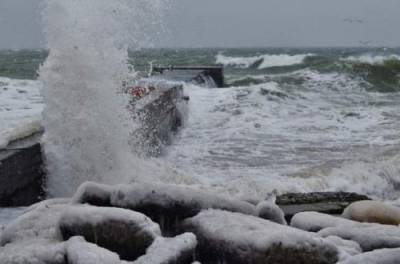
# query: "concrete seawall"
22,176
22,171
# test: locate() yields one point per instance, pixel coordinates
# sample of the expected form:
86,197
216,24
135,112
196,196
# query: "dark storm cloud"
242,23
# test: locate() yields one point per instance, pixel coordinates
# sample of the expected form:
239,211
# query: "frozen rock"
348,247
180,249
381,256
314,222
373,212
165,204
270,211
94,194
33,251
123,231
369,236
39,222
78,251
236,238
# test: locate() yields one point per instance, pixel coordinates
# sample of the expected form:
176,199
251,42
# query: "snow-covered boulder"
166,204
94,194
180,249
369,236
270,211
380,256
314,222
78,251
37,251
373,212
38,222
122,231
347,247
228,237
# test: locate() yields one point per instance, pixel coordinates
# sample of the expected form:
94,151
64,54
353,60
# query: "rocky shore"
168,224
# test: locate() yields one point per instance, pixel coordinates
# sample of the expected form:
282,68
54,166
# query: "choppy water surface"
291,119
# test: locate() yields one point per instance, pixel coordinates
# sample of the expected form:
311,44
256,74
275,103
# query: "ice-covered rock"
270,211
314,222
368,236
78,251
94,194
347,247
33,251
373,212
180,249
122,231
166,204
237,238
380,256
38,222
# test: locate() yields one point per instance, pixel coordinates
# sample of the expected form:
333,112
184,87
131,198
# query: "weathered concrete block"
323,202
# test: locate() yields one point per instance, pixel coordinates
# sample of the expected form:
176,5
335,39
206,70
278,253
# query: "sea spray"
86,122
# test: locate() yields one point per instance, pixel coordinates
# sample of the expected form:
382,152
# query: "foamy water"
263,61
20,109
328,133
323,122
86,121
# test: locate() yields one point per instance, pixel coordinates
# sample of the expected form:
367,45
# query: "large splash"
86,122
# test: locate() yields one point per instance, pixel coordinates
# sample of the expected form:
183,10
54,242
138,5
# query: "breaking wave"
262,61
86,122
373,59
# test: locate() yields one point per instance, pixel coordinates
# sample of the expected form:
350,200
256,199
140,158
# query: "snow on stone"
39,222
7,215
369,236
249,238
21,106
168,196
37,251
76,215
93,193
79,251
314,221
270,211
169,250
373,212
380,256
125,232
347,247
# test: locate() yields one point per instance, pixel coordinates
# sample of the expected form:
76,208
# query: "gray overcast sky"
230,23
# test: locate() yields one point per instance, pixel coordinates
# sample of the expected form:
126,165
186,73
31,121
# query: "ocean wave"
20,109
373,59
262,61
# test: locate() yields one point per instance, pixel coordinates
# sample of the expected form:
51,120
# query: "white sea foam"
86,122
328,133
20,109
373,59
265,61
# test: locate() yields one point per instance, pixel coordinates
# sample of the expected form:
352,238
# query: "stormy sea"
289,119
